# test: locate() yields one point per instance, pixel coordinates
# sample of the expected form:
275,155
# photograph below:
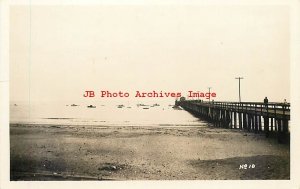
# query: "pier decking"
269,118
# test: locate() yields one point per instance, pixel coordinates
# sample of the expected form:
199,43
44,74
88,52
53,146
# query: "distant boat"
145,108
177,107
120,106
156,104
74,105
128,107
91,106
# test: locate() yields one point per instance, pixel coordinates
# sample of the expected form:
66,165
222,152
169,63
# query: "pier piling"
254,117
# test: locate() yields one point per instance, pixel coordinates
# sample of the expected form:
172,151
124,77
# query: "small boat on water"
141,105
146,108
156,104
120,106
74,105
177,107
91,106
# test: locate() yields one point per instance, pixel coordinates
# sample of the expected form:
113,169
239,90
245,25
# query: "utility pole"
239,78
209,93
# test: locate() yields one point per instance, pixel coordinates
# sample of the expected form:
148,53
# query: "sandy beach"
56,152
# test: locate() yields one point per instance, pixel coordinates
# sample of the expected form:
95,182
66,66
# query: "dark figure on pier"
266,101
284,104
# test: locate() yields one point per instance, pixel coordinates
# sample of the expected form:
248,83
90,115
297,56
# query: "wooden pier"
269,118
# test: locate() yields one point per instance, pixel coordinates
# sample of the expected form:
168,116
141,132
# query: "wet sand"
55,152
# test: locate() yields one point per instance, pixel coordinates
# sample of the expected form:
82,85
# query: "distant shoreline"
22,124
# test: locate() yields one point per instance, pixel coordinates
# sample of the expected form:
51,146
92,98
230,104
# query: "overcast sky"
164,47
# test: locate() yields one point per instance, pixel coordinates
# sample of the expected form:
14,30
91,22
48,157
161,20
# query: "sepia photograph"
150,92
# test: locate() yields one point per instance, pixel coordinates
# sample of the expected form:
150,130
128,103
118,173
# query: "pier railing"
271,118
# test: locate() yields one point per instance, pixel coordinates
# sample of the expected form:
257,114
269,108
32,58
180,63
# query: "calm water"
106,114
